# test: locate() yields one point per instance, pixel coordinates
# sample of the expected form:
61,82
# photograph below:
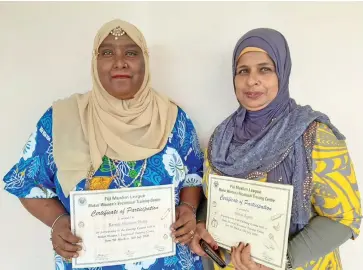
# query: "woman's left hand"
185,226
241,259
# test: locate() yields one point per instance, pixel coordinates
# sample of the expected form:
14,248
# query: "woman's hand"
241,259
202,233
64,242
183,229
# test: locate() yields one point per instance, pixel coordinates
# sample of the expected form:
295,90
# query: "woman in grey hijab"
271,138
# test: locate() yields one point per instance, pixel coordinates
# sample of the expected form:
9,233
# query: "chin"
120,93
124,96
255,107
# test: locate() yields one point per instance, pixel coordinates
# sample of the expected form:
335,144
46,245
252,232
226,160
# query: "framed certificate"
252,212
121,226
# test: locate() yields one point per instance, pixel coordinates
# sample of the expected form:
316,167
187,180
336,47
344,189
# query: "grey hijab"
248,142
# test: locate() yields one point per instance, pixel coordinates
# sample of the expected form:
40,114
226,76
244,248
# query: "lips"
253,95
121,76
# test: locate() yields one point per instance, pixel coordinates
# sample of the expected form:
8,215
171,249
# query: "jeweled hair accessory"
117,32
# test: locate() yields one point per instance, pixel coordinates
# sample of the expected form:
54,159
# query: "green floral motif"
105,167
137,183
133,173
132,164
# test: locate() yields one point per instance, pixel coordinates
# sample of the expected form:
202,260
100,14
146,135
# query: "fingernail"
75,255
80,241
80,248
240,243
215,247
247,244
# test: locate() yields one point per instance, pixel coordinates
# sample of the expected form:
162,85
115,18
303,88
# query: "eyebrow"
260,65
265,64
131,45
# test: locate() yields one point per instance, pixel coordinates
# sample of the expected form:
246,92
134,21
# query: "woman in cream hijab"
121,134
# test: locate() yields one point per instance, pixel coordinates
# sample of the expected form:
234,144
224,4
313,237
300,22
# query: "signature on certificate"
276,217
129,253
101,257
159,248
165,214
266,257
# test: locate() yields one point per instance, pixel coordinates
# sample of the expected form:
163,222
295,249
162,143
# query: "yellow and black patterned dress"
335,192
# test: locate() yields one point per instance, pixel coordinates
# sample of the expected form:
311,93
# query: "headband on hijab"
250,49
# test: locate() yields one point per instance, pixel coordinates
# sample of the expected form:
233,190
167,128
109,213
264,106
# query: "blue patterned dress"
180,163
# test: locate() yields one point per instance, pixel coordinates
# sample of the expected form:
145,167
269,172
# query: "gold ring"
67,259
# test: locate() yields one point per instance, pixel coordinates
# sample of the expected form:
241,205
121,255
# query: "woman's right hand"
202,233
64,242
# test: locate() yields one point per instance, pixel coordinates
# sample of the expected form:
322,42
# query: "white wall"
45,51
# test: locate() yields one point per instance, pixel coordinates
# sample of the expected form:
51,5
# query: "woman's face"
256,81
120,66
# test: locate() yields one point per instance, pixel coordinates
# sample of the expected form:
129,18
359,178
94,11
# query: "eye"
131,53
266,69
242,71
107,53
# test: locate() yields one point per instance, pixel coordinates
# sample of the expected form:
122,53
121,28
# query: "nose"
119,62
252,79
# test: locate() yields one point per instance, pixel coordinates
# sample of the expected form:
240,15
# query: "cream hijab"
88,126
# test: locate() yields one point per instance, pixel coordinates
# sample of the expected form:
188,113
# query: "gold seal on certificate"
121,226
251,212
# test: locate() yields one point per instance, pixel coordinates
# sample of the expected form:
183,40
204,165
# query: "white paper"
120,226
251,212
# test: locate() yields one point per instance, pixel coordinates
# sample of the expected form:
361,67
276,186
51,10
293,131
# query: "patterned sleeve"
335,188
189,150
207,171
32,176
